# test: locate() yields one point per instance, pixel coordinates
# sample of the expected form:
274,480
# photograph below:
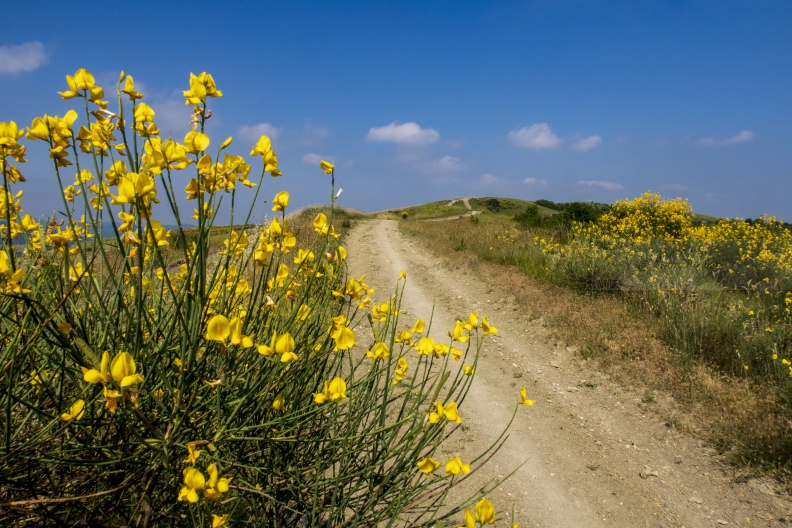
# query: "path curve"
465,201
594,457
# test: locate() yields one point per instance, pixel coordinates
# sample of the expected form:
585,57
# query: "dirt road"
594,455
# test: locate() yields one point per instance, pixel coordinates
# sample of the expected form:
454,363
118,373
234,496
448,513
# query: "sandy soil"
593,454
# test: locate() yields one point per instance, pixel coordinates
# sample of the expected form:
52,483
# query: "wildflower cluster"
125,341
648,247
647,217
195,481
506,237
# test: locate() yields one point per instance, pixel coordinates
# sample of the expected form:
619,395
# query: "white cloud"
312,158
22,58
586,144
489,179
404,134
744,136
534,181
611,186
252,133
538,136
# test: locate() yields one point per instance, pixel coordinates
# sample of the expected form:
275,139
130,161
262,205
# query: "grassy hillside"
487,207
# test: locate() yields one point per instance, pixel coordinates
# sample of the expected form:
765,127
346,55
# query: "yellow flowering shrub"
720,291
217,374
647,217
749,252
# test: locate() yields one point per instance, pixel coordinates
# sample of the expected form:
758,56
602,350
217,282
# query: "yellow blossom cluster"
454,466
506,237
123,371
748,251
131,336
194,481
483,513
653,248
647,217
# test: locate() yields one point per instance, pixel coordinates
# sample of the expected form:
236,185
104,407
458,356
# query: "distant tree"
492,204
549,204
582,212
530,217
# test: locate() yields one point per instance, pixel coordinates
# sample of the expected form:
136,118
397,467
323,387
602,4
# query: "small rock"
572,389
647,472
696,500
721,521
677,459
555,365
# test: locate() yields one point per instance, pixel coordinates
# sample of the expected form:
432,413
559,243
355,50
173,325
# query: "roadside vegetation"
664,299
427,211
215,375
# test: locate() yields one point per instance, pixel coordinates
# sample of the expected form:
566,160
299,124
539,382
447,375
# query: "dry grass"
738,418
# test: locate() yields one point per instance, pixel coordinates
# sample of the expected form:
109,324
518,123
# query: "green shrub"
493,205
549,204
530,217
580,212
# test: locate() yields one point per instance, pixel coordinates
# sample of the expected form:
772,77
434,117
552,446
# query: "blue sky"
421,101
